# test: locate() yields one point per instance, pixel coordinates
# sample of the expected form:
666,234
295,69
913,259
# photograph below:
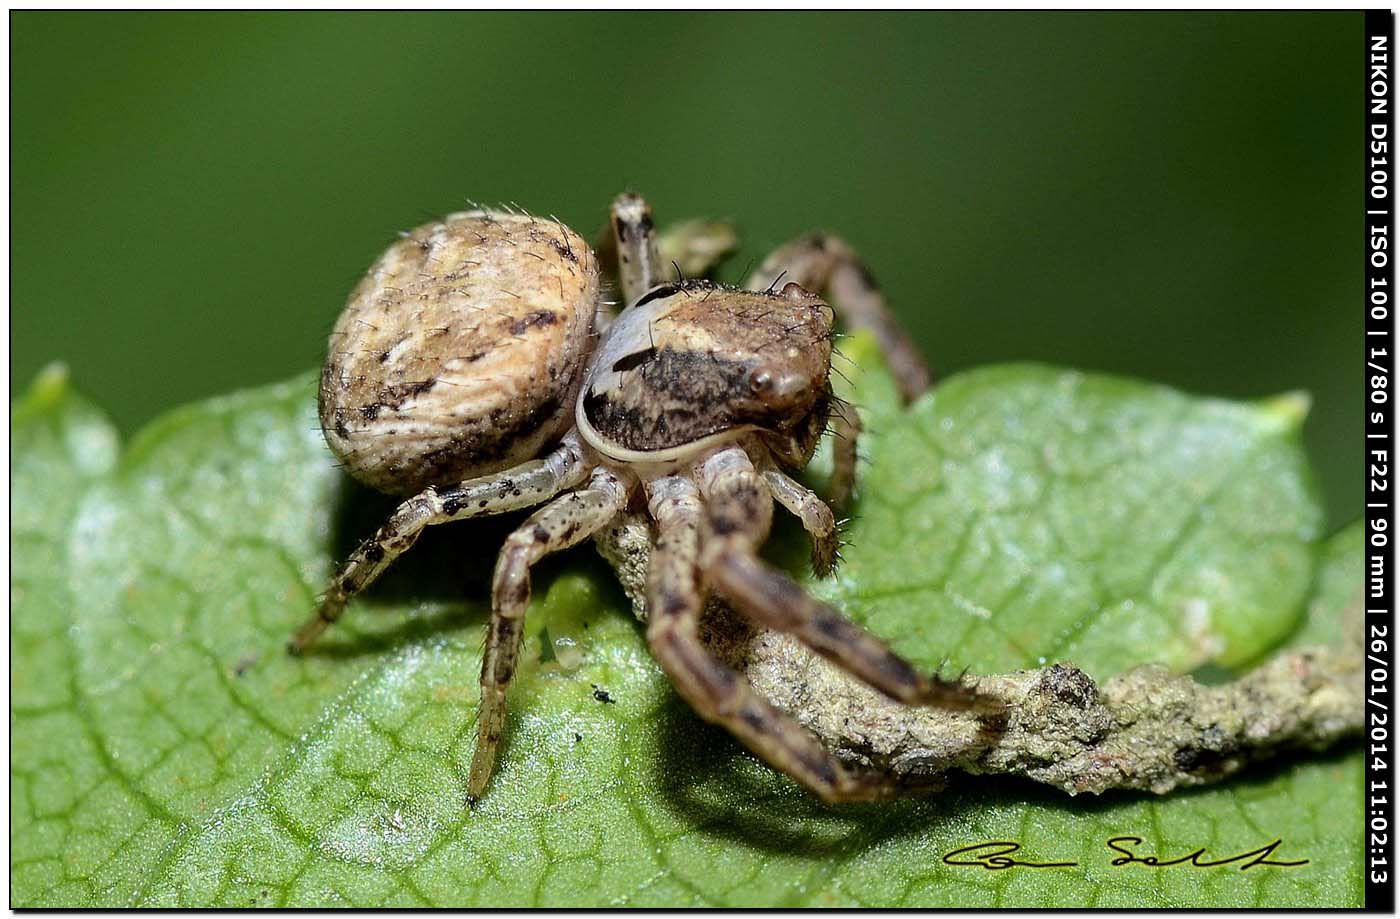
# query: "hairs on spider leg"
782,274
837,408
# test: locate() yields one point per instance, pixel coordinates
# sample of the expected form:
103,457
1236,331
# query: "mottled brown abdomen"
460,352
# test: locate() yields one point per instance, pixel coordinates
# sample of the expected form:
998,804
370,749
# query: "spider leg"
738,510
676,597
817,519
524,485
641,257
634,233
844,424
563,522
695,247
827,265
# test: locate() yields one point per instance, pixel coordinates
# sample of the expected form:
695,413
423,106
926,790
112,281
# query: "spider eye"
760,381
794,291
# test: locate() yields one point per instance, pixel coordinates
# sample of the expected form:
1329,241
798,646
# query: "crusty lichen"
1147,729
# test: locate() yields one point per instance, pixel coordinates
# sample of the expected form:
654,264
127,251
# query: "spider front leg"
675,599
817,519
634,233
696,247
738,510
646,258
562,523
826,265
844,425
524,485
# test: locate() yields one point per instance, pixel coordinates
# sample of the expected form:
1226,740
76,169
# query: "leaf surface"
168,752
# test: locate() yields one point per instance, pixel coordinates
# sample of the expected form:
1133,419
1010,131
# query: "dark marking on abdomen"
537,318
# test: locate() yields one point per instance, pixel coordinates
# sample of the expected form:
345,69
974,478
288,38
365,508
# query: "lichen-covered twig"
1147,729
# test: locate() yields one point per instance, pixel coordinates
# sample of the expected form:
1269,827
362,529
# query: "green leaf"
1056,515
1337,605
166,751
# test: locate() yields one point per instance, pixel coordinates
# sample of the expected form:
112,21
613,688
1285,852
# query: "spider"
478,369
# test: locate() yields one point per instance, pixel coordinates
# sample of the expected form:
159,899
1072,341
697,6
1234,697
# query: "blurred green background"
1174,196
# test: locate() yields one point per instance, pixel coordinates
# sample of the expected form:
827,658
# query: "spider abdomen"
460,351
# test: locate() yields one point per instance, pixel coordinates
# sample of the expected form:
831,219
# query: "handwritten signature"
997,856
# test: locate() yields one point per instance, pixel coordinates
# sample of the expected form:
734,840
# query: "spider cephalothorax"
694,362
477,369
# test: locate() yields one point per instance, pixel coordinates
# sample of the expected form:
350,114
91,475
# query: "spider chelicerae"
479,369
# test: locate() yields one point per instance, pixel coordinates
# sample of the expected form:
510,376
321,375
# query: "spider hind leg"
519,487
826,264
